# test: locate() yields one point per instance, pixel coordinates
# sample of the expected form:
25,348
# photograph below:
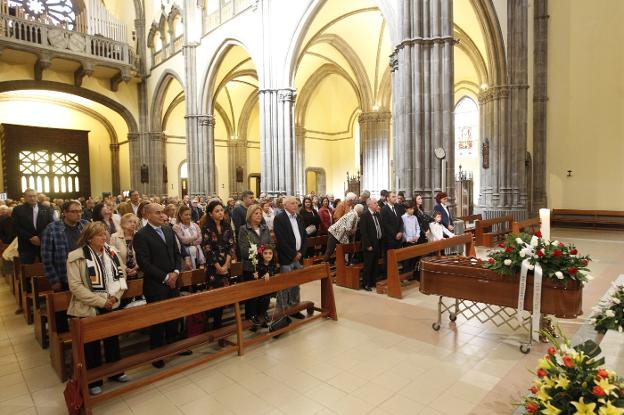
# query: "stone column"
504,125
300,186
237,157
139,142
375,144
277,141
540,103
134,154
157,158
114,148
422,100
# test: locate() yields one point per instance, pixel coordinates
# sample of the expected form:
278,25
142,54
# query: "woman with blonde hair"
122,241
96,278
190,236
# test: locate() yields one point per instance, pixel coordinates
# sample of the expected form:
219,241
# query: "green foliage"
609,314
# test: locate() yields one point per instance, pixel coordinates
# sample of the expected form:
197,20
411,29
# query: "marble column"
134,154
114,149
237,158
300,187
277,141
157,160
422,100
375,144
540,103
504,126
139,142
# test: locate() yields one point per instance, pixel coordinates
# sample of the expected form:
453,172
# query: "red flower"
556,252
501,245
541,373
533,389
532,407
540,254
538,234
567,361
598,391
572,270
602,374
561,244
573,252
492,261
508,250
552,351
584,262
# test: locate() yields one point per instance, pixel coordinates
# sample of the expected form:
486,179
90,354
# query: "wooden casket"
463,278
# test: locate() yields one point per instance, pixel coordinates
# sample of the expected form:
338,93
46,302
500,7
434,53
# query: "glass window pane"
70,185
77,185
63,185
46,184
31,182
56,184
24,184
39,184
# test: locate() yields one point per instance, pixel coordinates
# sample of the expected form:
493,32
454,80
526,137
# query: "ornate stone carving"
485,153
287,95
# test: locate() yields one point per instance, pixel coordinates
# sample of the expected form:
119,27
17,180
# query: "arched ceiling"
471,54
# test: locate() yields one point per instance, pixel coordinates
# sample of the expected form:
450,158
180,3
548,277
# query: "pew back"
489,230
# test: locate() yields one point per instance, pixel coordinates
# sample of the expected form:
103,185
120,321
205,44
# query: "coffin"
458,277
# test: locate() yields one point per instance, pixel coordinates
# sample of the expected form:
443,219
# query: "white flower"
555,243
592,321
507,262
616,300
534,240
559,275
531,267
522,253
519,241
609,313
620,329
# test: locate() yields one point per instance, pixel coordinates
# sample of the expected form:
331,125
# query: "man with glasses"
59,239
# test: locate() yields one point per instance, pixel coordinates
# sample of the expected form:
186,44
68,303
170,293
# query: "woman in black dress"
218,246
311,222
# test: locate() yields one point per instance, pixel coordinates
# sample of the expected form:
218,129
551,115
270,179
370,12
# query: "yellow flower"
609,409
562,382
544,364
605,385
584,409
550,410
543,394
548,382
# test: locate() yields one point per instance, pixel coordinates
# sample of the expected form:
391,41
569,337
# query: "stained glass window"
49,171
58,12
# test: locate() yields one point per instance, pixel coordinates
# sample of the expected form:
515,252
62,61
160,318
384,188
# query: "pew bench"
490,231
470,222
27,273
96,328
60,342
348,275
395,256
530,226
588,218
40,290
317,244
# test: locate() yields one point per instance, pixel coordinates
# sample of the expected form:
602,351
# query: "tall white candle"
544,215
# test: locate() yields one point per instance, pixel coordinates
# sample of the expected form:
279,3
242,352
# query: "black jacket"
25,229
7,234
285,238
156,259
368,232
391,224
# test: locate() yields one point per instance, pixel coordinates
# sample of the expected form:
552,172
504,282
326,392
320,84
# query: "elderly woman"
170,211
343,230
254,232
267,213
190,236
97,282
122,241
442,208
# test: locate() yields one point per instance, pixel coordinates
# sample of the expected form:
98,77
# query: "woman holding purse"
311,222
96,278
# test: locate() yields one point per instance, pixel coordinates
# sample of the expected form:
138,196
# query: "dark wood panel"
17,138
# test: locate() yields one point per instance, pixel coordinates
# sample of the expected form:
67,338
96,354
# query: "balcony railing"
225,13
178,43
61,41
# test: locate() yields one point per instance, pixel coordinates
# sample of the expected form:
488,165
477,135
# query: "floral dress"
216,247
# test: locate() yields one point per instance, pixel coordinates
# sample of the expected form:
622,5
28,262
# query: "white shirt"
438,231
35,213
135,208
295,228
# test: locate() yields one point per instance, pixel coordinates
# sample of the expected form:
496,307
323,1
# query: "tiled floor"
381,357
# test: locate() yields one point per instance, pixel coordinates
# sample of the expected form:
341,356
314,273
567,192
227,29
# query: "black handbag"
279,324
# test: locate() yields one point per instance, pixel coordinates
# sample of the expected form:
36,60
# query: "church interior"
514,109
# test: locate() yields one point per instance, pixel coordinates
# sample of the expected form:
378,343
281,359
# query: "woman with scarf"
96,278
190,237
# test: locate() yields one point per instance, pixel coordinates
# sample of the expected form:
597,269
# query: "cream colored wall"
586,105
175,147
124,167
221,157
54,116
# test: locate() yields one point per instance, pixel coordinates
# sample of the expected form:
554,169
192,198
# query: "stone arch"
467,45
157,100
305,22
495,45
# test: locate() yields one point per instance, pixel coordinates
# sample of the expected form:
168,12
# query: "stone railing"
178,43
229,10
26,34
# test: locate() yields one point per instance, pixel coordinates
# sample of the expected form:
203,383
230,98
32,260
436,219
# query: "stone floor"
380,357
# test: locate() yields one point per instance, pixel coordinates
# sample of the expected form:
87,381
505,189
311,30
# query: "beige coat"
118,243
84,301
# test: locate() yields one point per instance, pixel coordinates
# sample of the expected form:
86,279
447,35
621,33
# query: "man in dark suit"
29,221
290,240
239,213
196,210
392,222
159,258
371,235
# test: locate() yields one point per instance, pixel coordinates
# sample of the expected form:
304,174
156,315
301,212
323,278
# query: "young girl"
265,270
437,229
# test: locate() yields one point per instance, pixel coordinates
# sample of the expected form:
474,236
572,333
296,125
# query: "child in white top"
437,229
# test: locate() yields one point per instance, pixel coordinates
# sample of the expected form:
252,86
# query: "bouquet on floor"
609,313
573,381
560,262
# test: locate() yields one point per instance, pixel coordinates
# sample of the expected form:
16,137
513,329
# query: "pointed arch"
159,95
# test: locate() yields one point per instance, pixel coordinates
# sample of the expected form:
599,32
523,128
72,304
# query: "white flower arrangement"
609,313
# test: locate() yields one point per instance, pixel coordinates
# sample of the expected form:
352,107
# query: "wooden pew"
319,244
488,231
348,275
612,219
397,255
40,289
62,341
99,327
529,226
15,282
27,273
470,222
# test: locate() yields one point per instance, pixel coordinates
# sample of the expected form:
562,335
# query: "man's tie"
393,211
160,233
377,227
